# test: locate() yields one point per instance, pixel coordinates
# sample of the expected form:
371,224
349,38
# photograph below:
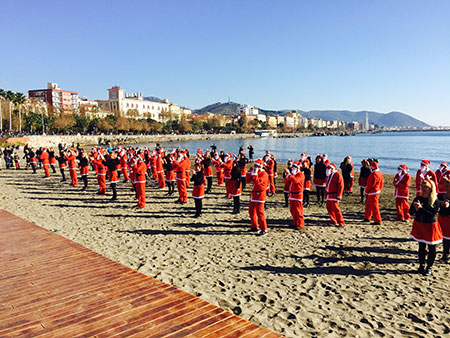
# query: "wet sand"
322,281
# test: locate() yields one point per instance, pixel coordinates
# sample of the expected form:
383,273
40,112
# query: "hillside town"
56,110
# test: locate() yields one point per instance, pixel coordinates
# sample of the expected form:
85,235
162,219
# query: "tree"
10,95
104,125
185,126
122,124
19,100
81,123
64,122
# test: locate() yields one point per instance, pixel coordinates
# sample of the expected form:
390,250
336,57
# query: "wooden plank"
53,287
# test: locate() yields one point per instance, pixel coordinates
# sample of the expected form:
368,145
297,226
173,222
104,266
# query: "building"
247,110
61,101
132,105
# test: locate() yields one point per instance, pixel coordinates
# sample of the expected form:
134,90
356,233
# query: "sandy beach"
322,281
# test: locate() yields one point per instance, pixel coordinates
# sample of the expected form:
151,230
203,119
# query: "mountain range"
392,119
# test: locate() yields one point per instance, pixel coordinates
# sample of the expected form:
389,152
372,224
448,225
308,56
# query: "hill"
392,119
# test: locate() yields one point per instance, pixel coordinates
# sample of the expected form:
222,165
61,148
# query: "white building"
132,105
247,110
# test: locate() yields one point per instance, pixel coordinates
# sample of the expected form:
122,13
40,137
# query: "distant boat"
266,133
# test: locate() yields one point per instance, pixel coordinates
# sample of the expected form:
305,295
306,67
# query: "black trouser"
320,191
33,166
286,199
85,181
53,168
361,192
423,254
198,206
209,184
236,204
306,197
114,190
61,170
171,187
243,182
446,243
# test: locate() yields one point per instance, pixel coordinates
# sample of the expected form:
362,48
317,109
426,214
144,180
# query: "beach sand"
322,281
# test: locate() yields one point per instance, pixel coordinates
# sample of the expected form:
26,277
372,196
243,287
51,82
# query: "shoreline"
125,139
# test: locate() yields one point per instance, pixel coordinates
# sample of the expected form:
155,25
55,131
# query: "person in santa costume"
235,187
296,180
364,174
111,163
124,164
207,171
444,220
52,160
402,182
306,169
347,174
198,191
260,183
160,169
139,169
227,165
424,173
269,166
83,161
372,191
101,171
286,173
320,179
333,191
242,163
62,164
442,175
179,164
45,160
72,162
169,172
426,230
217,162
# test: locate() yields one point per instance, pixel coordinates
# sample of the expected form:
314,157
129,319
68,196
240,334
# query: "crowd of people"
172,168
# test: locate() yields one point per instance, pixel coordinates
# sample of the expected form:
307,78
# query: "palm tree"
10,95
19,99
2,96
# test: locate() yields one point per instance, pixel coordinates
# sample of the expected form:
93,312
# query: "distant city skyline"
379,56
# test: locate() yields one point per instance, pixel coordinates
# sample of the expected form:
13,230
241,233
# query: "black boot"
236,205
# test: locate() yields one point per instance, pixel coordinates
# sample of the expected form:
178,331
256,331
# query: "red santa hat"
325,155
332,166
199,151
303,154
374,165
444,165
296,164
403,167
229,155
259,162
425,163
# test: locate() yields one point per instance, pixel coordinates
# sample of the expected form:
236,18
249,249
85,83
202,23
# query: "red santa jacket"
444,176
374,183
430,175
269,166
295,184
139,172
335,187
260,184
226,167
71,160
180,169
44,158
402,184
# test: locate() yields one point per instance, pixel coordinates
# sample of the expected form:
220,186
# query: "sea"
391,149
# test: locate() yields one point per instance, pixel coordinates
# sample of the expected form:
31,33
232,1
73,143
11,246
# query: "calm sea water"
391,149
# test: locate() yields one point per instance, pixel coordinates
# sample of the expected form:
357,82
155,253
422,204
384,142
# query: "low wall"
54,140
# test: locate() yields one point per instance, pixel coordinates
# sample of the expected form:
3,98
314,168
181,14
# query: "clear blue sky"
357,55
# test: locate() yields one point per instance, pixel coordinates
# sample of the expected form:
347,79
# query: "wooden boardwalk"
53,287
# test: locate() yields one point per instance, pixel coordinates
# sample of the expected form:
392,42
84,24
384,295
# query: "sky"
309,55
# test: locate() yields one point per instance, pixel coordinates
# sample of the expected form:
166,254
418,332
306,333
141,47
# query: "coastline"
102,139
